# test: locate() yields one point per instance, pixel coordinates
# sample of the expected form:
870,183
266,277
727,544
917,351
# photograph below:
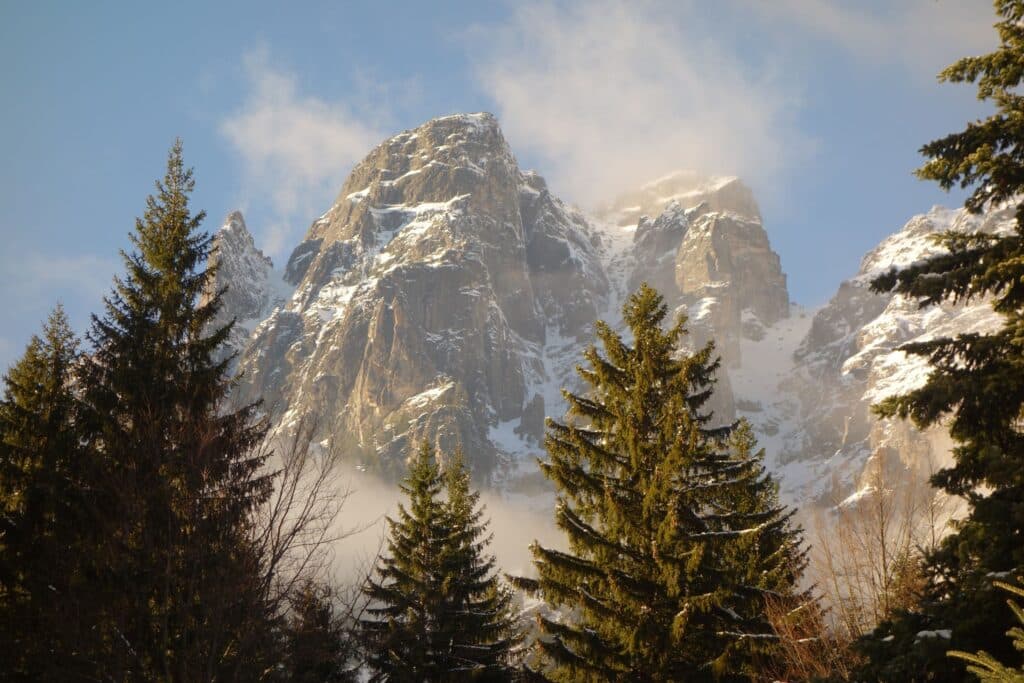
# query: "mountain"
425,301
815,418
447,294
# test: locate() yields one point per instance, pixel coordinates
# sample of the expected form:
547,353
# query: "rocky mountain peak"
446,294
425,297
708,252
240,267
251,287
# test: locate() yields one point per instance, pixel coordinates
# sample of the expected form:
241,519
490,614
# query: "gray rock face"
709,254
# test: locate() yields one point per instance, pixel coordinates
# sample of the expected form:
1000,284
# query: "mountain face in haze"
447,295
826,442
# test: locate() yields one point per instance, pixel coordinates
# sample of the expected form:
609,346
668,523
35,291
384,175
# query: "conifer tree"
46,609
483,629
676,537
986,667
439,612
181,474
315,639
976,385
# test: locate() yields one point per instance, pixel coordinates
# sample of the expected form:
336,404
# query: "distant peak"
472,117
235,237
234,221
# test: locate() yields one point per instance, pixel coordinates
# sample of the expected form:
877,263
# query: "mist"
514,524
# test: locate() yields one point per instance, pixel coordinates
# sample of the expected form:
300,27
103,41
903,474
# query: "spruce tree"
46,608
976,384
676,538
986,667
316,641
438,611
182,476
483,629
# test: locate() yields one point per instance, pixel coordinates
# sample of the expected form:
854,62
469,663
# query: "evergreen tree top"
988,154
988,158
438,611
976,385
674,529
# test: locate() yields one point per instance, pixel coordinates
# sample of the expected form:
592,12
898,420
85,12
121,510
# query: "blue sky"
819,104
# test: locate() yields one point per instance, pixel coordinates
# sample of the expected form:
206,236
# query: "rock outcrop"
246,280
708,252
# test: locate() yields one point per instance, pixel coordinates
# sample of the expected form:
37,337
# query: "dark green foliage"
137,537
986,667
316,641
977,382
180,476
438,611
46,607
675,533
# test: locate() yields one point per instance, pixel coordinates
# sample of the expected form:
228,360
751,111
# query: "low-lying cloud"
514,525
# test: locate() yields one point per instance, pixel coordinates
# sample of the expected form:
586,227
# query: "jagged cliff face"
424,298
701,243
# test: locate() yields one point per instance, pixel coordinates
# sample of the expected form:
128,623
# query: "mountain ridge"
446,294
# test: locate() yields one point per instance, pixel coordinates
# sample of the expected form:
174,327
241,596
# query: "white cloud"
296,149
609,94
923,36
515,525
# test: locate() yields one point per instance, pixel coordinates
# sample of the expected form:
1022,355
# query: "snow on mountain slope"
821,437
448,295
